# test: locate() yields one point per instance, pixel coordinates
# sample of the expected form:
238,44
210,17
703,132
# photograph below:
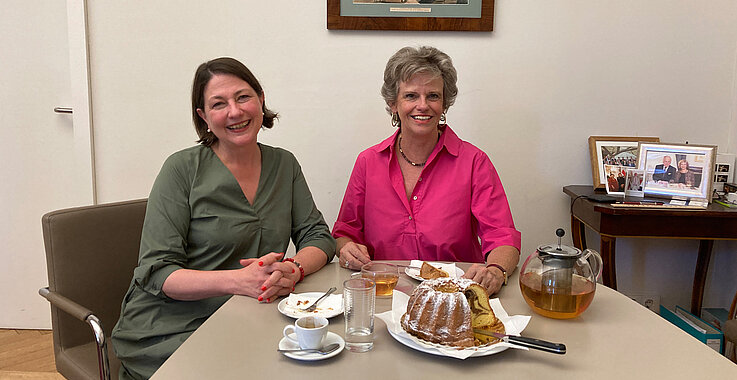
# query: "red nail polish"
292,289
260,263
263,288
292,270
268,300
260,298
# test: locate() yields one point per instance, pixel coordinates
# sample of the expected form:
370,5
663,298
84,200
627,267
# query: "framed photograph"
616,178
430,15
723,170
635,179
613,150
677,170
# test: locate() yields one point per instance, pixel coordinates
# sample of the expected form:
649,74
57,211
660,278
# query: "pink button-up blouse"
457,202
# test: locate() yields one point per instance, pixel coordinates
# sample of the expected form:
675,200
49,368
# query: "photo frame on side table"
723,170
635,179
677,170
619,152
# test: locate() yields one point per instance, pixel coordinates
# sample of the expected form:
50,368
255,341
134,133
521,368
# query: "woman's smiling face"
233,110
420,104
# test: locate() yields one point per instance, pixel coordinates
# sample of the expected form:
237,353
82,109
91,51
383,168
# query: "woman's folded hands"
267,277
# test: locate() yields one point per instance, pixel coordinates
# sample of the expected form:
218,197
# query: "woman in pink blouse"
423,193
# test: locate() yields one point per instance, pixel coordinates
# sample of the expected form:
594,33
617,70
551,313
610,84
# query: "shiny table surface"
613,339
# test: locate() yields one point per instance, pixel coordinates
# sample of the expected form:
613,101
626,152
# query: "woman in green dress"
219,217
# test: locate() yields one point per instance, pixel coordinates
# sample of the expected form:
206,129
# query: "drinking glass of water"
359,300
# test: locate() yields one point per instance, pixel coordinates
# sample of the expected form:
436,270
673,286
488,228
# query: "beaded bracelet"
301,270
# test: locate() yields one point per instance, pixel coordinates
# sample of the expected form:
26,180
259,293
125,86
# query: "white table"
615,338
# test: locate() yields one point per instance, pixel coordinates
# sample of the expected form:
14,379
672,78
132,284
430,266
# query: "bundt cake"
429,272
446,310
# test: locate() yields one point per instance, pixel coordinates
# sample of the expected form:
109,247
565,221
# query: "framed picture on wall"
677,170
619,153
431,15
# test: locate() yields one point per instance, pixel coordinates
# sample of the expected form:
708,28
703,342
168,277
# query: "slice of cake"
429,272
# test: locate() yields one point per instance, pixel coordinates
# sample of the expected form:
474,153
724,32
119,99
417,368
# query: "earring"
442,120
208,130
395,120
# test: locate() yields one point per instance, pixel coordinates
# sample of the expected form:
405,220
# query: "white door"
44,166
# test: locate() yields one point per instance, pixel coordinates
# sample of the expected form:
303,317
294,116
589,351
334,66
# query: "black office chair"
90,253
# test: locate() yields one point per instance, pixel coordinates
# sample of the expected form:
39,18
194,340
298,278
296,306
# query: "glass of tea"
384,275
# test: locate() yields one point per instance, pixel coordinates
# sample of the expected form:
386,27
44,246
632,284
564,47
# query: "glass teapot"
559,281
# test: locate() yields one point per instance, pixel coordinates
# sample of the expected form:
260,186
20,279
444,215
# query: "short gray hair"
409,61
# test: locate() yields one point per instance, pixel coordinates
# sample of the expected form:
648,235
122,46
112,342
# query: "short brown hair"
205,72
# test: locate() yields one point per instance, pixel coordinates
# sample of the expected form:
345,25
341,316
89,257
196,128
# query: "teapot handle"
597,264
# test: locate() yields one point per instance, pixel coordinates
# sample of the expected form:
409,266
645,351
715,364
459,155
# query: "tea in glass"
385,284
384,275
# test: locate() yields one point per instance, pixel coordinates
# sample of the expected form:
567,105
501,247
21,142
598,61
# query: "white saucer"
286,344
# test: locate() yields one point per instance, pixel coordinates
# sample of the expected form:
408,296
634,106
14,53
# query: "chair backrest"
91,252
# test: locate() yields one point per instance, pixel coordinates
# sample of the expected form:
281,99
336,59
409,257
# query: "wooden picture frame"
696,162
615,146
432,23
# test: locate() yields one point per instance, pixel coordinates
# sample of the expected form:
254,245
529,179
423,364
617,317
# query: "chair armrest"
85,315
72,308
730,330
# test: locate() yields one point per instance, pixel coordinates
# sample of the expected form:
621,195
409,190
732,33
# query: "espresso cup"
310,332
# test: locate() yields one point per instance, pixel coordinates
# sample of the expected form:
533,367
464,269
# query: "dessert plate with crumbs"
329,307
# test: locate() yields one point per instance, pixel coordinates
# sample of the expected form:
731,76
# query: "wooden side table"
716,222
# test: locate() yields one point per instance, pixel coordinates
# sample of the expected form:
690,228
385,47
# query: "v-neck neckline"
235,180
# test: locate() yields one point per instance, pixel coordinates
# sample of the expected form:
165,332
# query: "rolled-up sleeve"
490,207
350,222
165,228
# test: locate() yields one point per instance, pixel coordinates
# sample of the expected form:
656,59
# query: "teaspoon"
322,351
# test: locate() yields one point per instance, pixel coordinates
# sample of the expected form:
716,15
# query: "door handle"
63,110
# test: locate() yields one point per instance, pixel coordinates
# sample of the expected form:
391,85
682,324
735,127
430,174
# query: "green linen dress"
197,217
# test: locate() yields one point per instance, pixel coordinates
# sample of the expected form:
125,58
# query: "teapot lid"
562,251
559,250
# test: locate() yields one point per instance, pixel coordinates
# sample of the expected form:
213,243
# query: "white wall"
551,74
42,169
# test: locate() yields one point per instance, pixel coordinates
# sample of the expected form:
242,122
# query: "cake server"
542,345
